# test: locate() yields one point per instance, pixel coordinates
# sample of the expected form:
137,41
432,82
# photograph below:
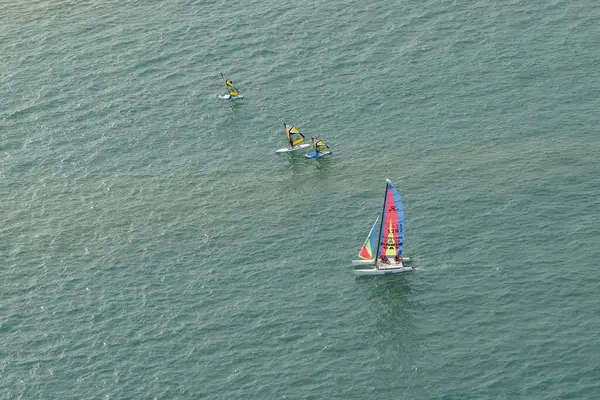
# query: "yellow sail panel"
321,147
390,246
290,129
297,141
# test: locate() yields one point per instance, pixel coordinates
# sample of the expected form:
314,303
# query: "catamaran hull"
298,147
227,96
371,262
381,271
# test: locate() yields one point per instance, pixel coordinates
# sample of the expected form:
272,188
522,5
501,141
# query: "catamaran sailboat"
295,139
388,253
320,149
232,92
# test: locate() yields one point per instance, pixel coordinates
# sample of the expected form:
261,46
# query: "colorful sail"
366,252
320,146
293,135
391,235
229,85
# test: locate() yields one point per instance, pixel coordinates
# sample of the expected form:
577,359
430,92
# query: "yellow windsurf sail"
229,85
320,146
293,135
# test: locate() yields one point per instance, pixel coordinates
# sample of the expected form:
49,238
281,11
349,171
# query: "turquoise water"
153,245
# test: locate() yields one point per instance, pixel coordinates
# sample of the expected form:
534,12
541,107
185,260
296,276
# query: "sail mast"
381,225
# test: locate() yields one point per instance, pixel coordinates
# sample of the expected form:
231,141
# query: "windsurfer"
231,89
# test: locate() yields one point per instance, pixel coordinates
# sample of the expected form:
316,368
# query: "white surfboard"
288,149
227,96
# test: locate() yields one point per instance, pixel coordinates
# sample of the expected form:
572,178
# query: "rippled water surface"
153,245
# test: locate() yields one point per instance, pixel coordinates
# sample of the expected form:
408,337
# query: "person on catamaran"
384,259
398,259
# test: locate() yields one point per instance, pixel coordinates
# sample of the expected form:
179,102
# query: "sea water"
154,245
